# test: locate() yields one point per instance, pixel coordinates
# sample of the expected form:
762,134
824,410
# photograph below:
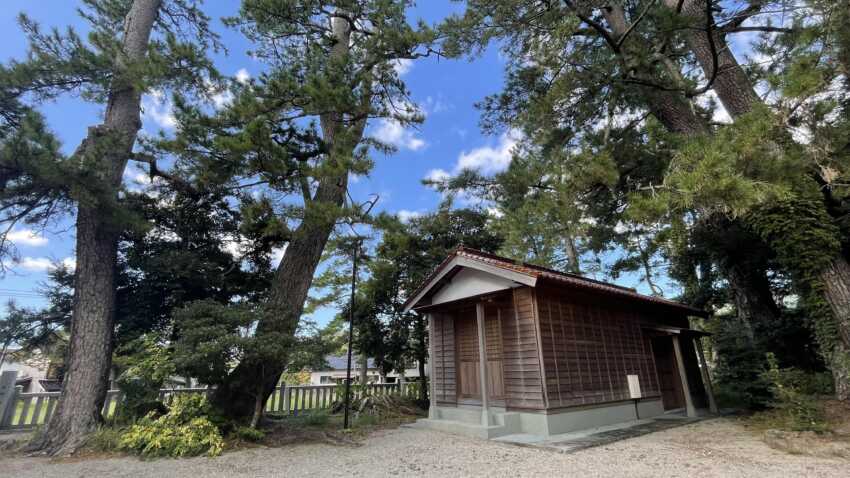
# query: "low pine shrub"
795,397
249,434
185,430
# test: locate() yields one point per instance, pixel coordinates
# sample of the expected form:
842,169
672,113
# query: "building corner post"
482,365
683,375
432,384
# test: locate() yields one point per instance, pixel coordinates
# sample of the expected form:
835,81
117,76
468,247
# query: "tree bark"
364,369
106,149
752,296
717,61
294,274
836,280
670,108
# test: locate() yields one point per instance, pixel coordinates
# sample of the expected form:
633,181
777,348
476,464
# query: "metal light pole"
350,333
358,239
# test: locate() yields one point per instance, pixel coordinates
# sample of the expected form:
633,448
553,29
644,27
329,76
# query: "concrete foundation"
466,419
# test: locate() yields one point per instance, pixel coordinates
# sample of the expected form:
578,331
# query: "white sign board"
634,386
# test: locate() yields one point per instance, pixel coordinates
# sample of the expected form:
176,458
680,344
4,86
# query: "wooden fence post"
8,396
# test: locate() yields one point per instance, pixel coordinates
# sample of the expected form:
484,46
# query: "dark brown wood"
493,341
589,348
672,395
444,359
468,366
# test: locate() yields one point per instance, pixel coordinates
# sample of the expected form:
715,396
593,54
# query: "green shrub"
147,364
105,439
795,397
249,434
185,430
365,420
317,419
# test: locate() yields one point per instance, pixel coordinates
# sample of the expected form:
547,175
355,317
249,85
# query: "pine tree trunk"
294,275
752,296
731,82
364,369
670,108
106,150
288,293
836,280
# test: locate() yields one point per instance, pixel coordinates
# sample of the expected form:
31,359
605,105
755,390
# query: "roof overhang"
671,330
440,279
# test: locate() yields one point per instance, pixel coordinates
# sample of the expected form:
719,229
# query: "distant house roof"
339,362
526,274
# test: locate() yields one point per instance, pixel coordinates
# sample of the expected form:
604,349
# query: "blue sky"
449,138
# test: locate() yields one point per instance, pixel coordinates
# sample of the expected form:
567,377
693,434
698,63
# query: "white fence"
19,410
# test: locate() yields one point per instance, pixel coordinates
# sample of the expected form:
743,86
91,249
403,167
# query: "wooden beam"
689,403
482,365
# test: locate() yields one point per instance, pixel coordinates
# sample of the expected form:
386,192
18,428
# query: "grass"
781,432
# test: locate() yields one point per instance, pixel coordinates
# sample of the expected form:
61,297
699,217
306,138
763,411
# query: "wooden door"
672,395
493,343
468,365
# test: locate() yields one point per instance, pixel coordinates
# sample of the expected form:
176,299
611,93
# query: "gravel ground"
712,448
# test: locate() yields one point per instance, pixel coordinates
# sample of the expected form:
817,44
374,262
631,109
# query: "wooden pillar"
689,403
482,365
706,378
432,375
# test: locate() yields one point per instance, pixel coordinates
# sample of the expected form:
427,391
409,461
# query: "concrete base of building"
467,419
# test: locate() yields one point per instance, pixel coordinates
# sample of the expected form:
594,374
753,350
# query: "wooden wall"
588,348
515,374
520,358
443,369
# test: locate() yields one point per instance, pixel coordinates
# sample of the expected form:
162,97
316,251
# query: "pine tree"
581,74
132,48
295,135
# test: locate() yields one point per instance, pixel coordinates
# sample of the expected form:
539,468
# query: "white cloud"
26,237
43,264
242,76
402,66
433,105
489,159
405,215
393,133
437,175
159,109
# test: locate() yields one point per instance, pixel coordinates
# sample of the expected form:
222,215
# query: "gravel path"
712,448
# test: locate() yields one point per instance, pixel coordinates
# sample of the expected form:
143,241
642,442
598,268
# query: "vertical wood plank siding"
588,348
520,360
444,373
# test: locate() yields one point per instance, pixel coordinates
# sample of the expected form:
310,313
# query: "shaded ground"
714,448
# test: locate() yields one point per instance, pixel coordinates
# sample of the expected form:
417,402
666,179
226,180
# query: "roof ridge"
543,268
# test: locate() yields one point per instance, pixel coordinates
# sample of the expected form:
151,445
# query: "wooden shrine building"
517,348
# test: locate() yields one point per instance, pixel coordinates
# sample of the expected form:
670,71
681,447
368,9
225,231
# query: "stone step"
462,428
